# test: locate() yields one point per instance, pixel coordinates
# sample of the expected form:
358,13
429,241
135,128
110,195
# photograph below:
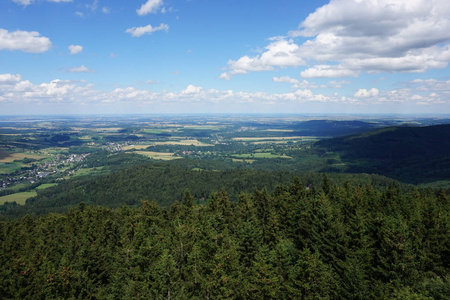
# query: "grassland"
89,171
45,186
19,198
8,168
7,157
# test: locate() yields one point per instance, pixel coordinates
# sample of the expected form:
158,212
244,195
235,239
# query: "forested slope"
166,183
409,154
331,242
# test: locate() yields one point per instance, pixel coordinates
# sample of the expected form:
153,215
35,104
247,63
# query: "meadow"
19,198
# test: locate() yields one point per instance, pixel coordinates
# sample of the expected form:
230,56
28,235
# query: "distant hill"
409,154
333,127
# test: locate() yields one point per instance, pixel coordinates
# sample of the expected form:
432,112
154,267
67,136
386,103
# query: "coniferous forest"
298,242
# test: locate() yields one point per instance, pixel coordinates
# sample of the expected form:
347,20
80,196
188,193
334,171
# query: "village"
35,175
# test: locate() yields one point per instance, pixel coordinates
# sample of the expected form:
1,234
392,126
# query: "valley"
50,151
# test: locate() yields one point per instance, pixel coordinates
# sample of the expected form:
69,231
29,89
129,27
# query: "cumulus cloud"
27,41
285,79
280,53
430,85
363,93
149,29
81,69
9,78
191,89
74,49
149,7
369,36
14,89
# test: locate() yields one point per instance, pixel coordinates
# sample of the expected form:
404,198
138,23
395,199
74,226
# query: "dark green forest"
297,242
409,154
166,183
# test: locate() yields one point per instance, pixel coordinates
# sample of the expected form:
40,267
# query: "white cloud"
106,10
151,6
149,29
28,2
363,93
13,89
9,79
280,53
191,89
286,79
27,41
74,49
367,36
327,71
24,2
81,69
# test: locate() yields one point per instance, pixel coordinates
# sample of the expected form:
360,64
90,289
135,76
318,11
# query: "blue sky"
211,56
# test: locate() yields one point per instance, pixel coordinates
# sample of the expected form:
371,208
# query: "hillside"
166,184
409,154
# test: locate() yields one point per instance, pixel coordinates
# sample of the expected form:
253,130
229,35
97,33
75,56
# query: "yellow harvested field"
250,161
136,147
184,143
204,127
158,155
10,157
269,138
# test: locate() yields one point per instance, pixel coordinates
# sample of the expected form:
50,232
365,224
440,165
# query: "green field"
19,198
89,171
45,186
17,187
8,168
